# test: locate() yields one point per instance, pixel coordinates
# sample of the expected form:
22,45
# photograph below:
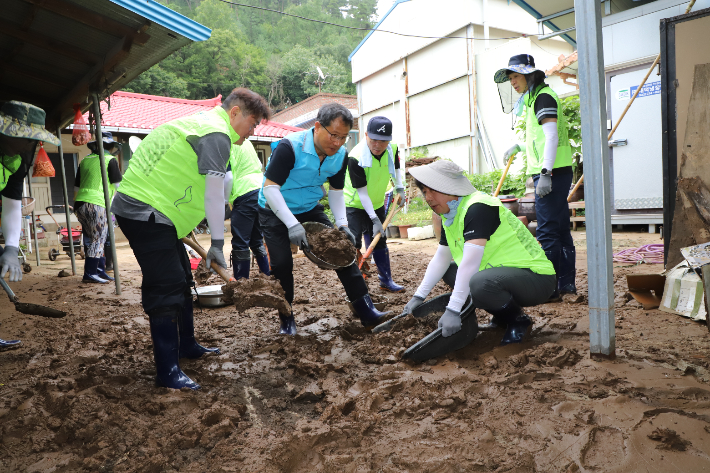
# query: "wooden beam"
90,18
36,74
48,43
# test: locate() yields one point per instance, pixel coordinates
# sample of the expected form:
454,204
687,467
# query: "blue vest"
302,190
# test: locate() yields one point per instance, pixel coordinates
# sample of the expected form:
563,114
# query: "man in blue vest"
549,160
299,166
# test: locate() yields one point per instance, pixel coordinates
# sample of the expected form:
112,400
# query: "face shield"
510,100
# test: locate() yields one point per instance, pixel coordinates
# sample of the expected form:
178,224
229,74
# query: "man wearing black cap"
372,164
549,159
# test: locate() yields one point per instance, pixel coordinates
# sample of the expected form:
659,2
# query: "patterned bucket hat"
522,64
24,120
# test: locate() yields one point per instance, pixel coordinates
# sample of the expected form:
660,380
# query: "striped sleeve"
545,107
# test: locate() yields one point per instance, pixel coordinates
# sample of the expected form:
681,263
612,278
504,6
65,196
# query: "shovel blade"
435,345
36,309
435,305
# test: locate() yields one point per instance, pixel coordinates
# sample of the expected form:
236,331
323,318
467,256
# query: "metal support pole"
66,203
34,221
592,101
104,179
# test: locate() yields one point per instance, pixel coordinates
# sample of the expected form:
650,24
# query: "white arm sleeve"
470,263
336,199
366,202
214,205
435,271
551,141
11,221
399,182
277,203
228,179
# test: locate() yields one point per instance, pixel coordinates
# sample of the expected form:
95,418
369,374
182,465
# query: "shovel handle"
201,251
376,238
505,173
10,294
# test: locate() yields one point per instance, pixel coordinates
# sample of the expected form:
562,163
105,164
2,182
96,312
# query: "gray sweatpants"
492,288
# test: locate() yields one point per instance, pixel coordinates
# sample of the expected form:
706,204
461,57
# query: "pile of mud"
202,274
332,246
259,291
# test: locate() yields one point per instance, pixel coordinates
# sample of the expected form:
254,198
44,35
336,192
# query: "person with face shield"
21,128
523,91
90,208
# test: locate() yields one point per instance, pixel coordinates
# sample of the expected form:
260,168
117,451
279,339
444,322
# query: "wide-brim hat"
443,176
107,138
522,64
24,120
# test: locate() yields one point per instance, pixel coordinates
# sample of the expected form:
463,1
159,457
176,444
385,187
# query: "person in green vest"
21,129
549,161
241,185
90,207
174,180
372,164
497,262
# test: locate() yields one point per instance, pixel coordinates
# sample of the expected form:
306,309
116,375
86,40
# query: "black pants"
359,222
246,229
492,288
276,237
553,224
163,260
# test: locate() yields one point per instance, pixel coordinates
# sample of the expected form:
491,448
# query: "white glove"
216,254
297,236
511,151
10,262
450,322
377,227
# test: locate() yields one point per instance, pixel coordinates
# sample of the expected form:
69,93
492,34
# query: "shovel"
31,309
385,224
435,305
203,254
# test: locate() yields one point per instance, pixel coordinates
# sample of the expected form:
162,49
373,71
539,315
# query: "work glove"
349,234
377,227
544,185
10,262
511,152
413,303
297,236
215,254
402,197
450,322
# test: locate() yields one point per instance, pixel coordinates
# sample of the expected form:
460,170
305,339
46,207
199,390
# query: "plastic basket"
28,206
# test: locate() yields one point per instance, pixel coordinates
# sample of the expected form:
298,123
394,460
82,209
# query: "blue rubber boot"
288,324
518,324
263,262
91,268
241,268
9,344
369,316
382,260
101,269
189,348
164,332
565,278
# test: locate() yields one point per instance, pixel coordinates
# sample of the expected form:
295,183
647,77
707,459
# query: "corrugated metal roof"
54,53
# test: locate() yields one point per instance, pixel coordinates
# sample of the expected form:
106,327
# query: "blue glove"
544,185
348,233
450,322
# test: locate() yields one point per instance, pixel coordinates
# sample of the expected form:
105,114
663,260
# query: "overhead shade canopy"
53,53
558,15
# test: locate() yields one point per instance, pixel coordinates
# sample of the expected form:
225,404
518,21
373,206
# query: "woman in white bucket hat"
497,262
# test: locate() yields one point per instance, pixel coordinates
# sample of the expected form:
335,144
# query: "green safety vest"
246,170
378,179
91,189
10,164
163,171
535,137
511,245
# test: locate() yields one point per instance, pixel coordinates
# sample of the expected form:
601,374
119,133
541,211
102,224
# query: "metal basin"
315,227
210,296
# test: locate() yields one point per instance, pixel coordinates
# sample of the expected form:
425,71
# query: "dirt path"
79,394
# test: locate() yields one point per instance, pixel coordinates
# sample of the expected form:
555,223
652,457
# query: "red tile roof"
140,112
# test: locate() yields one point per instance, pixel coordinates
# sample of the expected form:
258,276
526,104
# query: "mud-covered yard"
79,395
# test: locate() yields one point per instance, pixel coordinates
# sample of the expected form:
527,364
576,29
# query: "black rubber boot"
109,258
518,324
9,344
382,260
369,316
241,268
164,332
101,269
189,348
554,257
565,278
288,324
496,323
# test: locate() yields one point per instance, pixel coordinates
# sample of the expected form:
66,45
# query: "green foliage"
487,183
418,214
419,152
272,54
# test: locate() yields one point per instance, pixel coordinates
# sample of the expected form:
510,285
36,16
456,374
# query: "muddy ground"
79,394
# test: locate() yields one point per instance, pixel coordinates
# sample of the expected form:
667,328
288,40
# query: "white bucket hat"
445,177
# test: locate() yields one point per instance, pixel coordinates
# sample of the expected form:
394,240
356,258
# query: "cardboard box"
683,293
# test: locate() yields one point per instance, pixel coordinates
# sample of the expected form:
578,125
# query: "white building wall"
438,63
